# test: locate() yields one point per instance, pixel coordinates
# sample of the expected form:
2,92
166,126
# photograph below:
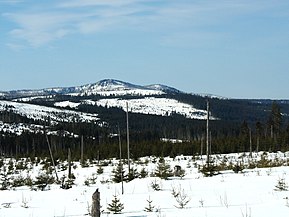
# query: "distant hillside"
157,113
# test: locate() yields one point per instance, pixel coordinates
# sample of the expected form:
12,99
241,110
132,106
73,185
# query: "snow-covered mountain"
110,87
106,87
44,104
85,102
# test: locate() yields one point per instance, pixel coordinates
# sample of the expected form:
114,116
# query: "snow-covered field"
251,193
38,112
156,106
147,105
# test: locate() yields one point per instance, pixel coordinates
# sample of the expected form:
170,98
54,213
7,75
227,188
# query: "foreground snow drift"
251,193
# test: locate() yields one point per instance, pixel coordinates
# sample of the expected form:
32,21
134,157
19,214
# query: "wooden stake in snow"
95,207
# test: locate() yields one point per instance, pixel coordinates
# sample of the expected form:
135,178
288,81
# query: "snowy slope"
249,194
162,87
147,105
154,106
43,113
113,87
18,129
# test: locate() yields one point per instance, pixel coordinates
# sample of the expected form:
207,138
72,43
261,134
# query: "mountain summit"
105,87
111,86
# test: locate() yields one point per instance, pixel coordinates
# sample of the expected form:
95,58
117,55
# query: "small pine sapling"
182,199
163,170
143,173
133,174
118,174
99,170
281,185
115,206
149,207
155,185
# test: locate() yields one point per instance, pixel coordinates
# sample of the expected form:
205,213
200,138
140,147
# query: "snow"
111,87
28,99
251,193
19,128
212,96
154,106
123,92
173,140
67,104
37,112
107,87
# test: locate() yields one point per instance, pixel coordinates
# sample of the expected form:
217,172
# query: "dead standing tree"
95,207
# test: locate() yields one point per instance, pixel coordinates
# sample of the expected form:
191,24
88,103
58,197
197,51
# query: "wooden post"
95,206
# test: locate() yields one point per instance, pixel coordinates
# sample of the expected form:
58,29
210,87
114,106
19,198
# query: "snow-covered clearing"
154,106
38,112
251,193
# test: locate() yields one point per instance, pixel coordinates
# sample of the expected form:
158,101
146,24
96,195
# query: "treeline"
268,133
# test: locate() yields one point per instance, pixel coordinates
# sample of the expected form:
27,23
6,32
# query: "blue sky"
231,48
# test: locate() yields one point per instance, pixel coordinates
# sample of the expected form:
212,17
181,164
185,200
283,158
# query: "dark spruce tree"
118,173
115,206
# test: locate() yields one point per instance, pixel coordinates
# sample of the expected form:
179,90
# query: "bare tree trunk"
250,133
52,159
81,150
120,161
202,144
127,138
258,143
207,140
69,163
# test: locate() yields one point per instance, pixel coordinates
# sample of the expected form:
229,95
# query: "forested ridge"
262,125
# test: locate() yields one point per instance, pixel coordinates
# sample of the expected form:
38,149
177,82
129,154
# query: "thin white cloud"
15,47
176,19
40,28
89,3
10,1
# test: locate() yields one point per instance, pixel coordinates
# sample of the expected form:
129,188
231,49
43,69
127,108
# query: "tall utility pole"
127,138
69,164
202,144
81,151
120,161
208,117
51,155
250,134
